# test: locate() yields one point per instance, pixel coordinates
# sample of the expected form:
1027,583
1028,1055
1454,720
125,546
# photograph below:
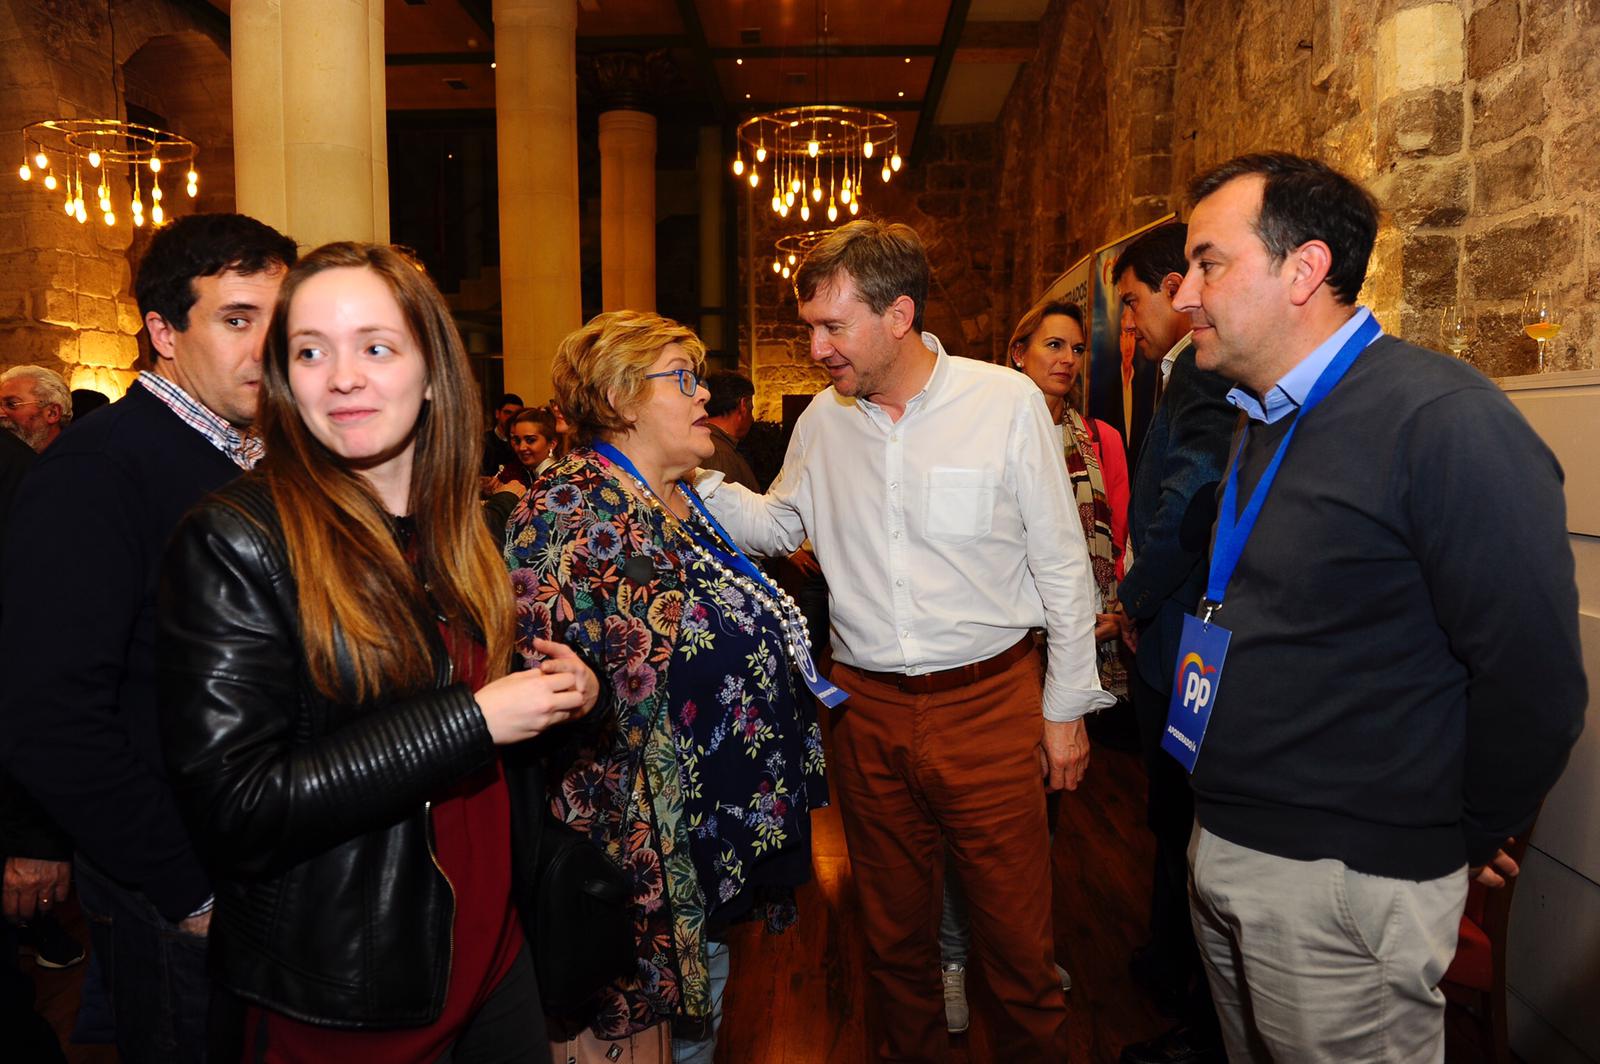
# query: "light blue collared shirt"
1285,397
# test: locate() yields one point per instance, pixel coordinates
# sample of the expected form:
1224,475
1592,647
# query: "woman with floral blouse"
698,770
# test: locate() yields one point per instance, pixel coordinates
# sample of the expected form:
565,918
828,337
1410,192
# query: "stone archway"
198,104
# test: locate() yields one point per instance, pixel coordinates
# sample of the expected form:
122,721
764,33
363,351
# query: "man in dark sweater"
1402,682
78,713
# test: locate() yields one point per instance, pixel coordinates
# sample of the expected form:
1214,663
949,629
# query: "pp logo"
1192,676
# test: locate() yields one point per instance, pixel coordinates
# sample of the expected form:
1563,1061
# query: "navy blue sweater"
1404,680
78,721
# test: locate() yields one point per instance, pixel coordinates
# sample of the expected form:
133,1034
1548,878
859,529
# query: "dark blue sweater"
1404,679
78,715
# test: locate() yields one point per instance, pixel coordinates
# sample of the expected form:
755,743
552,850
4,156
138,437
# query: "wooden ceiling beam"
481,12
700,50
402,59
998,42
763,106
653,42
955,22
826,51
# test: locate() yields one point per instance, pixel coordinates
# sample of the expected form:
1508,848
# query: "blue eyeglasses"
688,379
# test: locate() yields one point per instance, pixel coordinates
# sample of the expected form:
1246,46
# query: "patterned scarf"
1089,491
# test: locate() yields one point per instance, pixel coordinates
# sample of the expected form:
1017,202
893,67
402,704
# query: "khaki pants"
1311,962
916,774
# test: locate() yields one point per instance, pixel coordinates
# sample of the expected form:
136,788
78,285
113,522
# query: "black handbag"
583,930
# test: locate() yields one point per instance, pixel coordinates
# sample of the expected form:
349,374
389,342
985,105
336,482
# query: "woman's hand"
559,658
521,705
1106,626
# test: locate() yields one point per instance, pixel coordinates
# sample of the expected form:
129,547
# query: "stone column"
713,299
627,210
536,120
310,147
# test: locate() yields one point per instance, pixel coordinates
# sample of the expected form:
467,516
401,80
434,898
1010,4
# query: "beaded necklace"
716,548
709,547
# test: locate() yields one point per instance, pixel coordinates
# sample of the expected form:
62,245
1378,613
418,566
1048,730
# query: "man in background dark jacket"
78,713
731,412
32,849
1169,524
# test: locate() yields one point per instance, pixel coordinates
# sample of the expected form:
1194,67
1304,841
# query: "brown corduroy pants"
918,773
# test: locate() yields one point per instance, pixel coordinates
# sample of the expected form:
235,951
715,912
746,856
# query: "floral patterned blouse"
698,769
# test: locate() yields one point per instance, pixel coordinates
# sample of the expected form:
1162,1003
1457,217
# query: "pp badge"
1201,651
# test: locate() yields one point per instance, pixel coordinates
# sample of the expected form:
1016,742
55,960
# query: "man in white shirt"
933,492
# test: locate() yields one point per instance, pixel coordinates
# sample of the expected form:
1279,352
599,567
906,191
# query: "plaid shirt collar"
242,449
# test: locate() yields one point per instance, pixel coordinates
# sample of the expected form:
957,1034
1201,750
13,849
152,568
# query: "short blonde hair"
610,356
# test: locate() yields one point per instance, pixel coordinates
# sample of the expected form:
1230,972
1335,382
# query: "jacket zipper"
450,954
433,852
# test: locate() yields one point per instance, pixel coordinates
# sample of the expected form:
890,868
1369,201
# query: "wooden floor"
798,998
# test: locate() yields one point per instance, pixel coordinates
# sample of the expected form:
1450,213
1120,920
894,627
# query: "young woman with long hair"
343,732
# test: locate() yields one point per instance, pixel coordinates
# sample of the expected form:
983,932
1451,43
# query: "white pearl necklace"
778,602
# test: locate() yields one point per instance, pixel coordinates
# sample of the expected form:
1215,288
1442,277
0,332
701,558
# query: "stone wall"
1471,120
65,299
948,198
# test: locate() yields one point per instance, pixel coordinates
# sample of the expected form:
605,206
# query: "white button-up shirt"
944,536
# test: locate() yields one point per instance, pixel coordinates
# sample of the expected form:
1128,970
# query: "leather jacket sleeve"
267,771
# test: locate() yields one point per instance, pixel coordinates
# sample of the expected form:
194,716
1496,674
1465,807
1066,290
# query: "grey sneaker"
956,1016
1066,980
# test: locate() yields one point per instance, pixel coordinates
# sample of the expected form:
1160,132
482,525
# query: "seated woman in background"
533,440
700,769
336,632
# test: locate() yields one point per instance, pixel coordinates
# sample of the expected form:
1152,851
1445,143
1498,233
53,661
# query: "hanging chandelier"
817,156
816,152
793,248
92,156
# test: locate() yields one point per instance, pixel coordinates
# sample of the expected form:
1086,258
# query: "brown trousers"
915,774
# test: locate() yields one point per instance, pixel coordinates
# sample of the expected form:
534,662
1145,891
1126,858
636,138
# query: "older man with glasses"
35,405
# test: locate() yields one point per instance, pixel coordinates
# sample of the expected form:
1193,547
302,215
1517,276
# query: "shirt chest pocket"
959,504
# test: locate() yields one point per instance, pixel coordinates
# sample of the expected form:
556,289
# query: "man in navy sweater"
78,712
1388,647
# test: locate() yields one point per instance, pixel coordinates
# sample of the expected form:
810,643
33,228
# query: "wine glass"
1455,329
1541,319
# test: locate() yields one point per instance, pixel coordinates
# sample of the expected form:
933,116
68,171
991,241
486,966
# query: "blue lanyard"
1231,533
727,550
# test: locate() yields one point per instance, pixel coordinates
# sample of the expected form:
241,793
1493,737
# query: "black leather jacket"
312,815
